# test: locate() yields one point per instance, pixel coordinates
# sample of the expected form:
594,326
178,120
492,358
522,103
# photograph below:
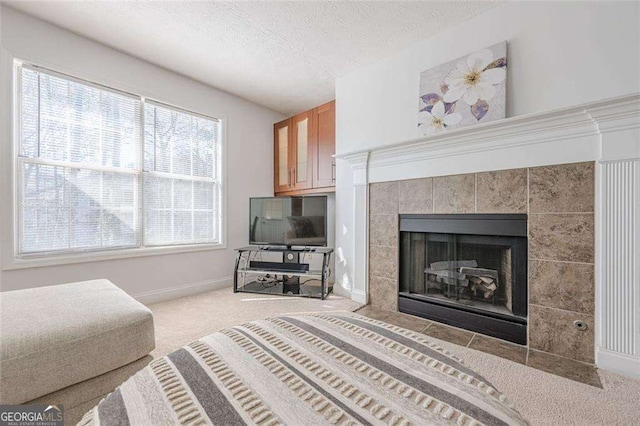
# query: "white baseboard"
626,365
359,296
155,296
338,290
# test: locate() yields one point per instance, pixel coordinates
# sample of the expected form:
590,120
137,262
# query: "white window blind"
180,177
88,178
77,165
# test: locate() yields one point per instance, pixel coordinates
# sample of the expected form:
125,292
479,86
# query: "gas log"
464,274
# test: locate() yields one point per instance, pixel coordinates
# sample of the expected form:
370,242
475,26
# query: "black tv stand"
294,275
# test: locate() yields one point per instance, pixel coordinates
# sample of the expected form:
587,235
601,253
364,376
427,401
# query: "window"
180,177
89,178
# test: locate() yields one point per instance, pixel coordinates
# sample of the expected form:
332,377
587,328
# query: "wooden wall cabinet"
282,166
324,170
303,148
302,152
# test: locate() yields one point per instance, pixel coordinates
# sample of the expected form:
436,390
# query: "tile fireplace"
466,270
573,172
438,246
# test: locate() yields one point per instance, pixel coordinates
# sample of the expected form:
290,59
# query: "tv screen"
288,221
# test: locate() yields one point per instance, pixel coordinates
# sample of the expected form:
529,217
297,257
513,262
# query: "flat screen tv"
288,221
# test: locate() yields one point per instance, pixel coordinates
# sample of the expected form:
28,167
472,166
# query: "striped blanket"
315,369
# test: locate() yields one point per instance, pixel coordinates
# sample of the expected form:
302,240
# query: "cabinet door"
324,173
282,156
301,155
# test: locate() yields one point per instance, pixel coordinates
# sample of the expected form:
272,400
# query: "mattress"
312,369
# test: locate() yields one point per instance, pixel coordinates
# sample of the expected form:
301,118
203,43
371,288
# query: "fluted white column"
621,300
360,228
618,245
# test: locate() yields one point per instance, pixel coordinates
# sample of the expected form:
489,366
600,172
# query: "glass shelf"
280,280
311,273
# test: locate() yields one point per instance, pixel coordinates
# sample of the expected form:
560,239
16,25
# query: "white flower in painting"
438,119
471,81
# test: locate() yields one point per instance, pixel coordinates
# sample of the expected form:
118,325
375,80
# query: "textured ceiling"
282,55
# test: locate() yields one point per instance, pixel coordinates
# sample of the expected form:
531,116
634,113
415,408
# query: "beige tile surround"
559,201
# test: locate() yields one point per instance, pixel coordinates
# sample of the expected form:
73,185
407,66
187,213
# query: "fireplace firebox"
467,270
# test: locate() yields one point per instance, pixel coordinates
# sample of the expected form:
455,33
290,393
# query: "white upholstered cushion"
57,336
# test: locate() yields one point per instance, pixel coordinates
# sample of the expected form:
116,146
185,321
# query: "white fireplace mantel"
607,132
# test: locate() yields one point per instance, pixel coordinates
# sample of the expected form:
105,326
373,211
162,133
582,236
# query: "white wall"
559,54
249,159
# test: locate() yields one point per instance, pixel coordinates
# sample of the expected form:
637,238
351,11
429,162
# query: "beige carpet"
546,399
542,398
181,321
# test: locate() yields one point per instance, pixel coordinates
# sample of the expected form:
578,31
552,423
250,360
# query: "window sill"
37,262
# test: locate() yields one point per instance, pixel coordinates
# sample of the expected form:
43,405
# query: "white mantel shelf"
535,128
606,132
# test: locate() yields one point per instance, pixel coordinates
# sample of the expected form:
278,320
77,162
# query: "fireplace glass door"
472,272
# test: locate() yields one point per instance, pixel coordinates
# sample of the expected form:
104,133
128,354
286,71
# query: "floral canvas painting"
465,91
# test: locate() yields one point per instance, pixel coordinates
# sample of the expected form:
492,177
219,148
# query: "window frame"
13,103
